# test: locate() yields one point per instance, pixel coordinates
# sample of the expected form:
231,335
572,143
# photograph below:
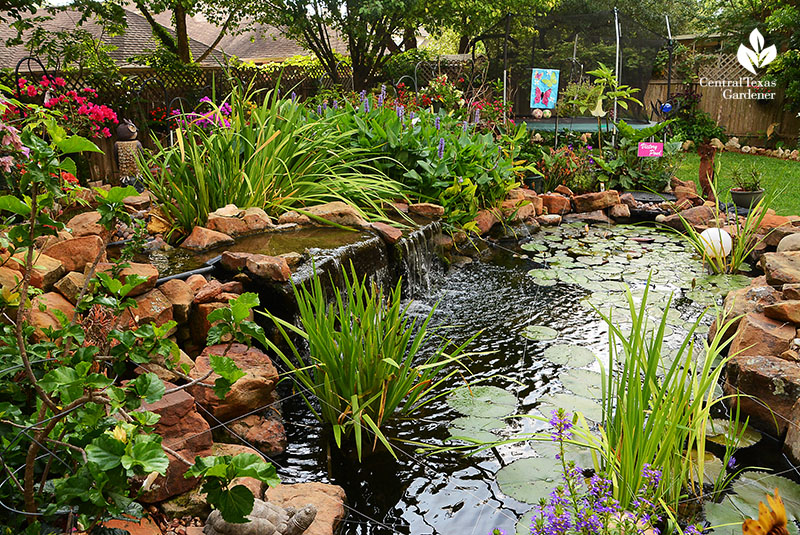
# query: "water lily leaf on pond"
591,409
591,260
724,514
530,479
572,452
535,247
752,487
543,273
483,401
712,467
569,355
544,282
570,277
584,383
474,428
720,431
524,524
539,332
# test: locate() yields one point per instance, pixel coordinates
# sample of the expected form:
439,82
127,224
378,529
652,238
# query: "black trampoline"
579,124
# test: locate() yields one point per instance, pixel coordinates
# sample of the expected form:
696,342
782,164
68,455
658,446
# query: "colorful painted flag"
544,88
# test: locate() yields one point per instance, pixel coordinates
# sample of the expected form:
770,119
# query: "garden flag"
544,88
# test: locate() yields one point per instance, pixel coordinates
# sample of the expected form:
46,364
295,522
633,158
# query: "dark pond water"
501,296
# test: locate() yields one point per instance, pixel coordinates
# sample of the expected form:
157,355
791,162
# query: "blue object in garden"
666,107
544,88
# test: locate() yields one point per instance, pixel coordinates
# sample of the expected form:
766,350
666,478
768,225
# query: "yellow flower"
770,522
120,434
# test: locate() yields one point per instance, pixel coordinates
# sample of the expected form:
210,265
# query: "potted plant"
746,190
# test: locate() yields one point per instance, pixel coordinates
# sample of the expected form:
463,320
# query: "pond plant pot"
536,183
746,199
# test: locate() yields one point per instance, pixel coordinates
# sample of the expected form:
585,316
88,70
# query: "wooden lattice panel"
726,67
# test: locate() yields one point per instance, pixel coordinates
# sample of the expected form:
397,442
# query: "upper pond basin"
539,336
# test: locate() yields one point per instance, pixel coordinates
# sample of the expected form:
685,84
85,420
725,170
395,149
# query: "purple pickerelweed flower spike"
401,110
325,105
382,96
465,126
294,96
366,105
437,122
319,109
441,148
477,115
411,116
363,94
335,104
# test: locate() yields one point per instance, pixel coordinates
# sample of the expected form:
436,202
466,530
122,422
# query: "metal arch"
413,79
27,60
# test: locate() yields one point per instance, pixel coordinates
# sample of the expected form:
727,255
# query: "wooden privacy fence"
748,120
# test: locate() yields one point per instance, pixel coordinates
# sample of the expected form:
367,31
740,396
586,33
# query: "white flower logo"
758,56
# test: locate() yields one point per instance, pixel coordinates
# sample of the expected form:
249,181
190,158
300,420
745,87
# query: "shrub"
365,365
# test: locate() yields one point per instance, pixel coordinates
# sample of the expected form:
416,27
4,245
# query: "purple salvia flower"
437,122
441,148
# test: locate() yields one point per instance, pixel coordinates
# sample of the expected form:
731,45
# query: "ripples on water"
449,494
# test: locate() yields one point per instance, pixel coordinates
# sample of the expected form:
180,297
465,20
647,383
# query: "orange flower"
770,522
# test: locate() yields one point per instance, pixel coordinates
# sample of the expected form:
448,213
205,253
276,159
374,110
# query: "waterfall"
420,266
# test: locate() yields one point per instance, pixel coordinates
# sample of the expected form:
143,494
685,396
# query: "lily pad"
720,431
475,429
524,524
591,409
583,383
529,480
569,355
483,401
535,246
539,332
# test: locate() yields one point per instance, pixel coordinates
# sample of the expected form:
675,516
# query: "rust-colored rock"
337,212
772,381
589,202
628,200
88,224
426,209
550,220
517,210
76,253
152,307
145,526
233,221
208,292
147,271
485,220
71,285
697,216
137,203
553,203
740,302
328,499
269,267
295,218
196,282
390,234
183,430
267,434
787,311
619,212
46,270
791,291
564,190
198,320
42,313
249,393
781,268
180,294
10,278
202,239
759,335
233,261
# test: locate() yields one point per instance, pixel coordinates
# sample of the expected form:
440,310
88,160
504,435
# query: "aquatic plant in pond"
365,366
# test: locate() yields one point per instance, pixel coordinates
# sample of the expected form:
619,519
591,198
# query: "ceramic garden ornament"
126,151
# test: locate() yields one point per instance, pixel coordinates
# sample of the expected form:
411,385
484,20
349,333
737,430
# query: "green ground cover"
779,175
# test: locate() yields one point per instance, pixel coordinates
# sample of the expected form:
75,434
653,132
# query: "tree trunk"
463,44
707,152
361,74
182,37
409,38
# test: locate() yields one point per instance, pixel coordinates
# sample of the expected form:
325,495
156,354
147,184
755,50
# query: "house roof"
137,38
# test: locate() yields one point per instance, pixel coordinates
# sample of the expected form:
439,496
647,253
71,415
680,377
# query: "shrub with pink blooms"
79,114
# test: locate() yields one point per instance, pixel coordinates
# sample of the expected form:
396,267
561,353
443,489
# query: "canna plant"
365,365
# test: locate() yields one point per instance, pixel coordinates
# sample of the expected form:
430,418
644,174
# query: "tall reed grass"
368,361
273,155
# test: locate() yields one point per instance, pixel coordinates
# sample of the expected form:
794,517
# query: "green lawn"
780,176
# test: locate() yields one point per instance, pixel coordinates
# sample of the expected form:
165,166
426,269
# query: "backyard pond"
540,336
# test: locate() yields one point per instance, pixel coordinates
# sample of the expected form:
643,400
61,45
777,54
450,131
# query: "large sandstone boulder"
269,267
589,202
698,216
786,311
485,220
198,320
42,312
46,269
266,433
152,307
147,271
202,239
10,278
71,285
234,221
759,335
554,203
426,209
328,499
76,253
182,429
781,268
88,224
517,210
180,294
750,299
388,233
337,212
792,443
251,392
767,383
790,242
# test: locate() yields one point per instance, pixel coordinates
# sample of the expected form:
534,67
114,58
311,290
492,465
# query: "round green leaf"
569,355
529,480
483,401
539,332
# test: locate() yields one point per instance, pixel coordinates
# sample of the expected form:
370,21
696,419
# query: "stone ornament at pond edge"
266,519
